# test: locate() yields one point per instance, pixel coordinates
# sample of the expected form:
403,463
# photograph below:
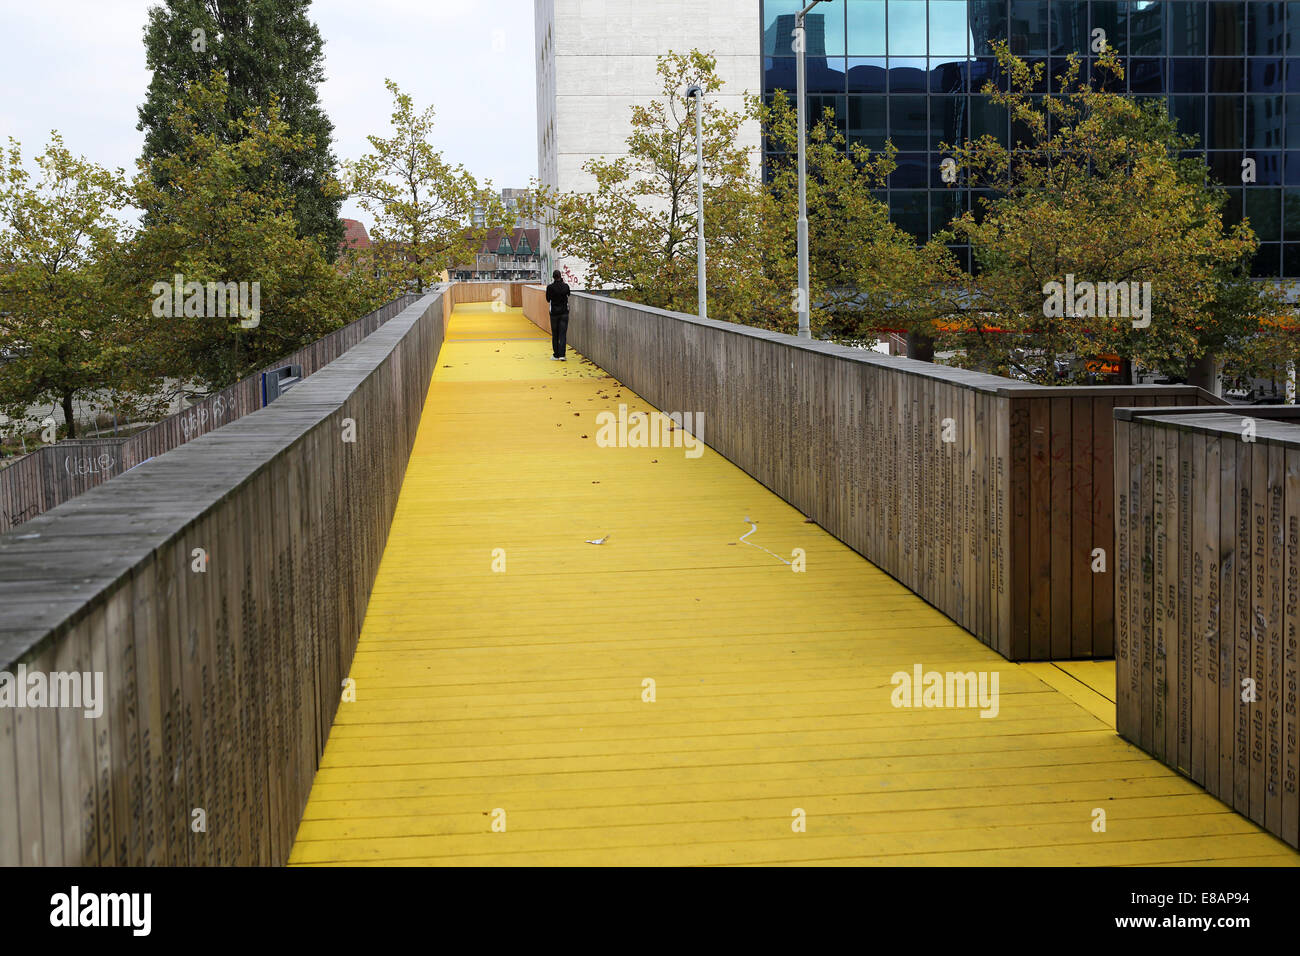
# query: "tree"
1093,210
637,230
865,273
61,328
265,50
422,205
225,216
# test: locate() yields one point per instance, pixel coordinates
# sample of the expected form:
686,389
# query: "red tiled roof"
354,235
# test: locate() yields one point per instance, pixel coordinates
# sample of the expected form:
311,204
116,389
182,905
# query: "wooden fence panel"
1225,592
214,592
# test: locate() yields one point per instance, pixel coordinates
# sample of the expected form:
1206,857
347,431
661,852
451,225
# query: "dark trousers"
559,329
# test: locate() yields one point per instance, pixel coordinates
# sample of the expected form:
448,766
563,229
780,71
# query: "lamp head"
694,90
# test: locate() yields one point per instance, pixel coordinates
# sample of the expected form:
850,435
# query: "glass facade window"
1226,28
908,74
866,27
1146,35
907,32
1069,30
949,35
1264,33
866,75
868,125
915,71
1028,27
1111,17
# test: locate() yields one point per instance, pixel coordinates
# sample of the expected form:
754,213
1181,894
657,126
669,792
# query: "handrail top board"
977,381
1274,429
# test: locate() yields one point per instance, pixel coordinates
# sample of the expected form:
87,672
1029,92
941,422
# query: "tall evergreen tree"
265,49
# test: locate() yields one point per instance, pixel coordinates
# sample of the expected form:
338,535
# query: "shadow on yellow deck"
502,717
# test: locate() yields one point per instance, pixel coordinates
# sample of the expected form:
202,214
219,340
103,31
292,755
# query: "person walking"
557,293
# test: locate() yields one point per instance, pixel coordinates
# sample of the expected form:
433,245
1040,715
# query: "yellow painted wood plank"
1076,690
522,689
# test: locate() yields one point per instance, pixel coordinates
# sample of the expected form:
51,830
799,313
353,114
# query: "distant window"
503,247
524,249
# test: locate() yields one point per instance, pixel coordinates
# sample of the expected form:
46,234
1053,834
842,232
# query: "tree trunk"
920,346
1204,372
68,415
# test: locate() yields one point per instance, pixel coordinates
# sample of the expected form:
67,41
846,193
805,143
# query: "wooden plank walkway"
517,697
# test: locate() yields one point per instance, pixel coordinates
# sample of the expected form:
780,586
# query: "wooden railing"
56,473
989,498
218,591
1207,596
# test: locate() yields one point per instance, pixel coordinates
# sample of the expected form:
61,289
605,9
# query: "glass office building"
912,70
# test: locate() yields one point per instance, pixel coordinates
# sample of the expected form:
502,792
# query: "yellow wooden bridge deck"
501,715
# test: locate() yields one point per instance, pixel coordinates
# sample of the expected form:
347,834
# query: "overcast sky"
78,66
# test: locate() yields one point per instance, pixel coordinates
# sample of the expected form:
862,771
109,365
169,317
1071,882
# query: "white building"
596,58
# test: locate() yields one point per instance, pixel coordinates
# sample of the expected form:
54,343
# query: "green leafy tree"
63,331
865,273
1093,191
637,230
226,216
422,206
265,50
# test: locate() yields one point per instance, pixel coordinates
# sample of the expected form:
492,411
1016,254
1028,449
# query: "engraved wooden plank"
47,735
1197,577
1002,498
197,627
1162,510
1040,530
1124,436
145,639
1081,505
1290,826
27,750
1258,598
233,743
1144,555
1228,565
1245,626
1061,537
1186,526
123,727
1019,529
105,809
1103,526
175,563
1212,611
257,666
1272,696
11,853
1172,576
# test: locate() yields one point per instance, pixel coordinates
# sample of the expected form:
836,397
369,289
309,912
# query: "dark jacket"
557,293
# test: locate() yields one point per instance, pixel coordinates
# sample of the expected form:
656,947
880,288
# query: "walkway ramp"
502,717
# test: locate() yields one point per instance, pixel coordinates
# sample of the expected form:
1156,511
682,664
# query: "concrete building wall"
597,58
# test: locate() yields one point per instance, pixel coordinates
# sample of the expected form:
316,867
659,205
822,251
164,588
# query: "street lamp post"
800,45
697,92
